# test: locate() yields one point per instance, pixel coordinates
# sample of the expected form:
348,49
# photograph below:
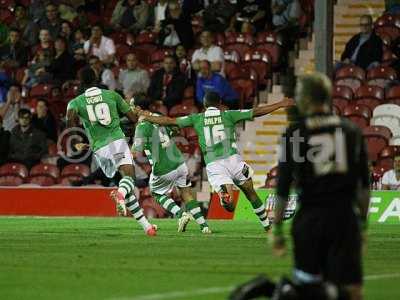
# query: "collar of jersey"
212,107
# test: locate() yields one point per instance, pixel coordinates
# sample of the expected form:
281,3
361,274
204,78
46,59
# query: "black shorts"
327,242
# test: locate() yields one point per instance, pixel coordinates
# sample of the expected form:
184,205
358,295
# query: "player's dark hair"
317,88
88,77
211,98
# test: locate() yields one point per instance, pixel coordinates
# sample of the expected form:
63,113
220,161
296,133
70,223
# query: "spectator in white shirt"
105,76
100,46
159,11
133,80
391,179
210,52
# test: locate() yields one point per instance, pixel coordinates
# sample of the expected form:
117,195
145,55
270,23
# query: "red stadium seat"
377,138
239,42
336,110
389,30
393,92
261,62
14,169
229,66
58,109
370,91
158,56
119,37
182,110
6,16
388,58
152,68
385,159
381,76
188,93
52,150
142,56
342,91
159,108
269,41
371,103
121,51
40,90
359,114
146,37
351,76
232,56
76,170
67,180
394,101
42,180
246,90
340,103
10,180
45,170
219,39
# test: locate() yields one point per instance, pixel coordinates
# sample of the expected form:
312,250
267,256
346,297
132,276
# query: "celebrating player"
168,171
217,139
99,111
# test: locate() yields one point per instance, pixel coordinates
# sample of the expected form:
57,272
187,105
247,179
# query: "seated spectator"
45,42
52,21
81,21
62,67
28,29
167,84
251,16
176,28
391,179
36,73
220,16
77,49
133,80
9,110
158,13
14,54
104,75
211,81
131,15
67,33
285,13
37,10
208,51
4,142
44,120
365,48
27,144
184,64
100,46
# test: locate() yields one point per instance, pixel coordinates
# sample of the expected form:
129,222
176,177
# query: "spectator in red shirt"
45,42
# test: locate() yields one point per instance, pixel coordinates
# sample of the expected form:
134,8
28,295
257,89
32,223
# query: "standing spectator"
36,73
167,84
131,15
44,121
211,81
184,64
176,28
52,21
104,75
210,52
100,46
133,80
9,110
14,54
365,49
251,16
62,67
45,42
28,29
27,143
4,142
391,178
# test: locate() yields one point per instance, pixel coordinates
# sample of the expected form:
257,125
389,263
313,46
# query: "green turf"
110,258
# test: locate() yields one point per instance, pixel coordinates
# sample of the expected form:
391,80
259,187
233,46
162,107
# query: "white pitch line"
222,289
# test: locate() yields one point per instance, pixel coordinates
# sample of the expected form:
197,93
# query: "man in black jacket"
364,49
4,142
14,54
167,84
27,143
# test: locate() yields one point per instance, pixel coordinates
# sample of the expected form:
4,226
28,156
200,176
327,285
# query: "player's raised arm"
267,109
161,120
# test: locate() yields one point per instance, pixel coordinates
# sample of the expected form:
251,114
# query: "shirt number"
99,113
214,135
328,153
164,138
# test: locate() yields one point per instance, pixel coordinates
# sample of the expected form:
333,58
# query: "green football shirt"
162,152
99,112
216,131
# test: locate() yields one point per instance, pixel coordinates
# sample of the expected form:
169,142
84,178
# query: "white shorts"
230,170
112,156
164,184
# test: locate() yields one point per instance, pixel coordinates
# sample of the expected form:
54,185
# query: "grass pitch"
111,258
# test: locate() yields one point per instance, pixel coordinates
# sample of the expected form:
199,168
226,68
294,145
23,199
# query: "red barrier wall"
216,211
56,201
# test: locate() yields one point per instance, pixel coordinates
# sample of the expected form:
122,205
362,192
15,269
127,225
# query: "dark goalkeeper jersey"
325,156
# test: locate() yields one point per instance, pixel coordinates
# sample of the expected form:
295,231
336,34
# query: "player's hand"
278,245
287,102
81,146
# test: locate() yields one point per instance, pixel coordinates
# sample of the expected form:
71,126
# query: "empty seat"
76,170
14,169
260,61
389,30
40,90
45,170
10,180
239,42
371,103
358,114
269,41
342,91
351,76
370,91
340,103
393,92
231,55
246,90
42,180
387,110
381,76
377,138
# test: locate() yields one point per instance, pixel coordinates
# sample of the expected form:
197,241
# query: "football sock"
132,204
126,186
259,210
169,205
194,209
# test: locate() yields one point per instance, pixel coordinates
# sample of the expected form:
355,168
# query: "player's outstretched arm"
267,109
160,120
